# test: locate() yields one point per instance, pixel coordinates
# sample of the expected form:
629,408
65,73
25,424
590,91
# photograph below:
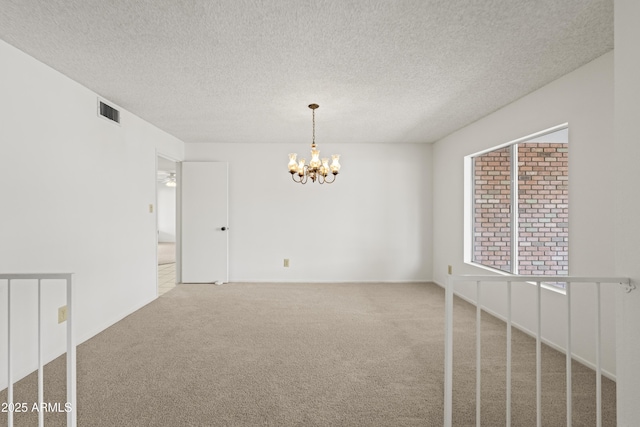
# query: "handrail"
71,345
538,280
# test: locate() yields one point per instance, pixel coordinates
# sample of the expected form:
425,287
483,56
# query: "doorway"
166,208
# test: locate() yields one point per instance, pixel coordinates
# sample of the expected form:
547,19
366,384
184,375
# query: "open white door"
204,222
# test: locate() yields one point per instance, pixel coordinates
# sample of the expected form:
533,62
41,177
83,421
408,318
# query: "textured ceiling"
245,70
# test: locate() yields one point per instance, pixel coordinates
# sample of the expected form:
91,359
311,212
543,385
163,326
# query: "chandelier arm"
332,181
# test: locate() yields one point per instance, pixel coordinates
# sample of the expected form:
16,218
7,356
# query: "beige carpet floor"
304,355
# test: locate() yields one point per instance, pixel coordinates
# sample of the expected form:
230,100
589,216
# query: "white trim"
179,223
506,273
155,196
157,184
513,209
468,209
539,278
315,282
104,325
523,139
72,383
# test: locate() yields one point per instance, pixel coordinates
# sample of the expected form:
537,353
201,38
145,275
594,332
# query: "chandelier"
317,169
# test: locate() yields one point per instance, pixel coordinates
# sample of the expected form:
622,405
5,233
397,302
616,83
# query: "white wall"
77,200
584,99
166,213
627,249
372,224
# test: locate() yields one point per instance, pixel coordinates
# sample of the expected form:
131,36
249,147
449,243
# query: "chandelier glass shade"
318,169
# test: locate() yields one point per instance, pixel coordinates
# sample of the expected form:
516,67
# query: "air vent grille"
109,112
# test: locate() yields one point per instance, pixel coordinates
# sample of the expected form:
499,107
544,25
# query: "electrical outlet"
450,269
286,262
62,314
150,208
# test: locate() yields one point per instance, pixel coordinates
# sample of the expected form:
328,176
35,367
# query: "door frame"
178,164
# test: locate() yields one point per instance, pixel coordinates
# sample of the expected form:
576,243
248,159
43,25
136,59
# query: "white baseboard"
115,319
302,282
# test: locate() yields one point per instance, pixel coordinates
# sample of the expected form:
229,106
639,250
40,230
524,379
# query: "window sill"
504,273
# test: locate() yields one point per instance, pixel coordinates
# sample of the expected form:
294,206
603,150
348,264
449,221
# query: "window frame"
469,204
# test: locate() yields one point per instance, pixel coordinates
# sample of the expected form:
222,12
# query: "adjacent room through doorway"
166,223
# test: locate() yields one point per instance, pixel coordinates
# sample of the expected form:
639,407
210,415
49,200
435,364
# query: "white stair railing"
538,280
71,345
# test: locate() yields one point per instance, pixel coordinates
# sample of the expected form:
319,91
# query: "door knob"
223,228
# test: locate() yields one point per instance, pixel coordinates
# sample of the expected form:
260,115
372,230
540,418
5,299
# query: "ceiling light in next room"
170,181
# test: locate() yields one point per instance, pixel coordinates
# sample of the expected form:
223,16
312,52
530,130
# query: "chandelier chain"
313,137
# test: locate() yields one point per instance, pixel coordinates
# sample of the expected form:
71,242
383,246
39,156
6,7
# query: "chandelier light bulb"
301,167
335,164
324,169
315,159
293,164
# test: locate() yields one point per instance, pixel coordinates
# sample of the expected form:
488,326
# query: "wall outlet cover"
62,314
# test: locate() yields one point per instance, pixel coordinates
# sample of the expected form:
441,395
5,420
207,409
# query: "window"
519,212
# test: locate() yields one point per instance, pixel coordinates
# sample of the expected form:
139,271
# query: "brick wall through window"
491,211
543,209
